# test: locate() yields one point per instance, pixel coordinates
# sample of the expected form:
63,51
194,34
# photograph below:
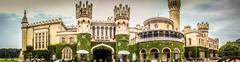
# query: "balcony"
160,35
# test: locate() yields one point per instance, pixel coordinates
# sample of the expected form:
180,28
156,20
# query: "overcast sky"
222,15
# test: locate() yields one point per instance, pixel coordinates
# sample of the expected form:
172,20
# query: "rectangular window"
190,41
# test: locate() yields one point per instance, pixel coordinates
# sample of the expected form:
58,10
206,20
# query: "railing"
160,38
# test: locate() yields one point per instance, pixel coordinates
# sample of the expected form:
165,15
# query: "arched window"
190,41
67,53
71,39
88,21
176,55
155,33
83,20
154,54
150,34
143,55
161,33
166,33
156,25
123,22
63,40
166,54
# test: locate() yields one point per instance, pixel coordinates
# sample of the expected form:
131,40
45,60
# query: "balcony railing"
160,38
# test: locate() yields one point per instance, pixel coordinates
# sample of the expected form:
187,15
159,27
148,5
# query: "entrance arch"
166,54
102,53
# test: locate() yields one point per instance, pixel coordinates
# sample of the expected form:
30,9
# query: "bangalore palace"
158,39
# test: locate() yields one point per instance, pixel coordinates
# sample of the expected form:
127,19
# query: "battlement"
57,20
84,10
174,4
203,26
122,12
187,27
71,26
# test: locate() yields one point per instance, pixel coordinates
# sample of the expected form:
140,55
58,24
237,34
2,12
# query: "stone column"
100,32
104,32
112,32
95,30
108,35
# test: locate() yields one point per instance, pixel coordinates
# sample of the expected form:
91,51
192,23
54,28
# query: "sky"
222,15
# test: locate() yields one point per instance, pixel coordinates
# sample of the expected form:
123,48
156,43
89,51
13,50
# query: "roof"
158,19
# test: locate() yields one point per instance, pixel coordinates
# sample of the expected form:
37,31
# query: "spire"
24,19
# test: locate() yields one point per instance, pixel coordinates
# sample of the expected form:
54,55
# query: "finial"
24,19
25,12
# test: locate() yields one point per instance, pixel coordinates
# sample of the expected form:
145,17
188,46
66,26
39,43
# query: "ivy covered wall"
195,52
122,41
160,45
83,41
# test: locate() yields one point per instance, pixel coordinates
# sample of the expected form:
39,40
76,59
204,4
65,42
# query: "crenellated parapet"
84,10
203,26
174,4
53,21
71,26
121,17
122,12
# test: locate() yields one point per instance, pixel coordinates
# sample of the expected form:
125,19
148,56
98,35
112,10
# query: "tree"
231,48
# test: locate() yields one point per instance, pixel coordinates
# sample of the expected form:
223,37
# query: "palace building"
198,46
159,39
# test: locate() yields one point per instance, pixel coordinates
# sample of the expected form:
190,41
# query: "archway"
102,53
143,55
154,54
176,55
166,55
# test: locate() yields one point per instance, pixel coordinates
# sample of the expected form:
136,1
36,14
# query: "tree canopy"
231,48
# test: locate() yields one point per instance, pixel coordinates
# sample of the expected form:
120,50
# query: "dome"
158,19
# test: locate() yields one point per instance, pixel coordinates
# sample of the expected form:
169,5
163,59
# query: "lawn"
8,60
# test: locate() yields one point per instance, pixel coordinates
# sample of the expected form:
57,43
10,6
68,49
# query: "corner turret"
203,28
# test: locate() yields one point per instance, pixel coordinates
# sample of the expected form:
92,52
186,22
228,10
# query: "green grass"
8,60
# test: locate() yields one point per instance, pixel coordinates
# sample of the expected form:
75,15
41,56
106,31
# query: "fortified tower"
203,28
174,12
83,17
121,17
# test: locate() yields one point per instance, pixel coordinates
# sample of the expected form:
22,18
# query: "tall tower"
83,17
174,12
24,34
203,28
121,16
24,31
